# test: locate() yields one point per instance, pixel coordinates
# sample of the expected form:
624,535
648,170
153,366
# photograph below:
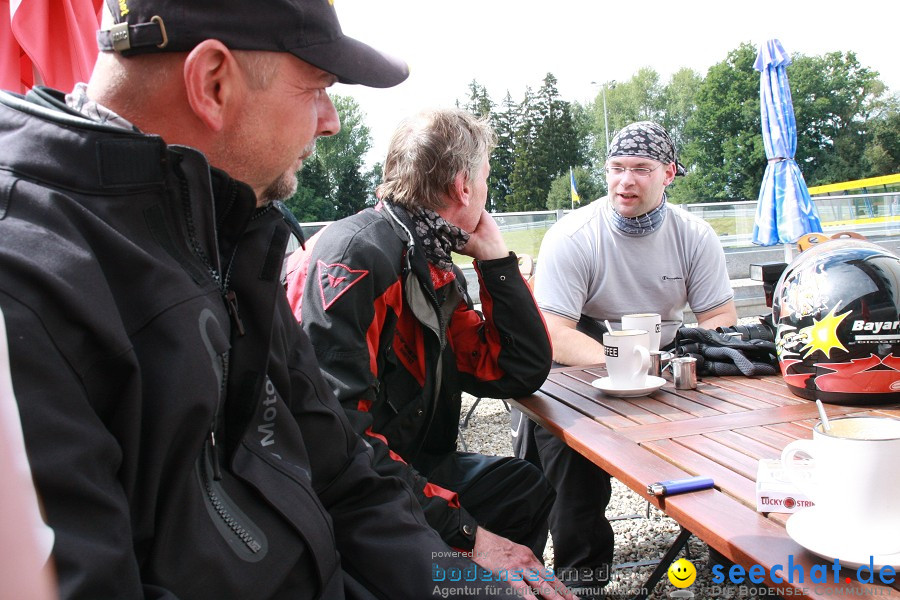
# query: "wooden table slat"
762,388
735,460
663,410
634,415
768,436
708,401
741,442
798,430
587,406
737,397
669,395
725,422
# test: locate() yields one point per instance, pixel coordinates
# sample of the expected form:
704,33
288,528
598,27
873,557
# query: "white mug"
627,357
649,322
855,480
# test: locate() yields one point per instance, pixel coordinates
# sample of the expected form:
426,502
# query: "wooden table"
719,430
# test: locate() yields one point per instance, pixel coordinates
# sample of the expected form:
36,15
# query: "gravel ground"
637,539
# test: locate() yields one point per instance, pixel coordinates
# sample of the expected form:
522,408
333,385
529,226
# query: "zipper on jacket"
214,454
231,301
229,296
224,361
245,538
237,529
192,232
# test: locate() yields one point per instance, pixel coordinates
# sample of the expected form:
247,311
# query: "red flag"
49,42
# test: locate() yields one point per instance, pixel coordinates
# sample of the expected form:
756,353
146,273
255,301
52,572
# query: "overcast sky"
507,45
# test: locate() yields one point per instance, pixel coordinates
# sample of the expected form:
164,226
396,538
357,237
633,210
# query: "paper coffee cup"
855,479
649,322
627,358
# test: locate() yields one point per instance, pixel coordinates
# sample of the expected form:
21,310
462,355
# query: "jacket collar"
103,160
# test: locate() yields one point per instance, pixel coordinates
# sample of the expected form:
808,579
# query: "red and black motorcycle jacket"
398,339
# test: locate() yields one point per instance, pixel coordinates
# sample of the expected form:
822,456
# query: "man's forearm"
723,316
571,347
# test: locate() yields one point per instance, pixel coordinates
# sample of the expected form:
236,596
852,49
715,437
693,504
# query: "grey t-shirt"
588,267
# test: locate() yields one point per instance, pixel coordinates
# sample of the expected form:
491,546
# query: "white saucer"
817,533
605,385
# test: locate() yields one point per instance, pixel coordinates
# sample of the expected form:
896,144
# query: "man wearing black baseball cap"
181,437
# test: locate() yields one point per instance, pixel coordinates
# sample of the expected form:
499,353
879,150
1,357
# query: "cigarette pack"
775,492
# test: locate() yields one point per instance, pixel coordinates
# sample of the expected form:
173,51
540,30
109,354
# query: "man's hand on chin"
486,242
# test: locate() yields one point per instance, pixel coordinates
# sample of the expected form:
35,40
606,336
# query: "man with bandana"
398,339
629,252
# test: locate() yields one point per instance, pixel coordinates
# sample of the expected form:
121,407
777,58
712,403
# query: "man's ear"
670,173
460,190
212,80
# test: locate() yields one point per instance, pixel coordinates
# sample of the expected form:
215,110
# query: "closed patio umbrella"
47,42
784,212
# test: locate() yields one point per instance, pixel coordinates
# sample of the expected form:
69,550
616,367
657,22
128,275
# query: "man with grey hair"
398,339
182,439
630,252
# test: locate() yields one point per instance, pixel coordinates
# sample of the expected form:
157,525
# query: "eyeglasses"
638,171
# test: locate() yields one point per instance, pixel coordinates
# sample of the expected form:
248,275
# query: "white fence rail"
873,215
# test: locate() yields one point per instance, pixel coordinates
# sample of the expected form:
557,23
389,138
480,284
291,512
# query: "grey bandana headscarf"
648,140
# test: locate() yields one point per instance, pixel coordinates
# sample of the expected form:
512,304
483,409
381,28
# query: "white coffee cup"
649,322
855,479
627,357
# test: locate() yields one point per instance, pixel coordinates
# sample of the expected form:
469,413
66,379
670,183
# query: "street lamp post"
610,85
605,119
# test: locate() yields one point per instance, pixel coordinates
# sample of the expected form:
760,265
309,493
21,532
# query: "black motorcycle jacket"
181,437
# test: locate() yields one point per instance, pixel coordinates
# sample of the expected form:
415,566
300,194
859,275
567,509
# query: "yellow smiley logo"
682,573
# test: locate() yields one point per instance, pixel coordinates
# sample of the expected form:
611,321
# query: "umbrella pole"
788,253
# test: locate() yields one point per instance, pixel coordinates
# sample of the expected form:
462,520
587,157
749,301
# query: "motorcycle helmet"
836,309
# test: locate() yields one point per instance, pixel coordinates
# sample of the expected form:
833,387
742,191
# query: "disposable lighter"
679,486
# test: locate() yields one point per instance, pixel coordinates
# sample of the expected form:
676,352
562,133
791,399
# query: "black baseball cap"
308,29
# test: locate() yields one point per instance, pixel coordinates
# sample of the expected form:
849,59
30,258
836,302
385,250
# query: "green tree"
839,106
376,174
883,151
479,102
546,144
312,200
638,99
586,131
560,196
725,146
679,101
836,102
334,183
503,159
559,144
528,181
